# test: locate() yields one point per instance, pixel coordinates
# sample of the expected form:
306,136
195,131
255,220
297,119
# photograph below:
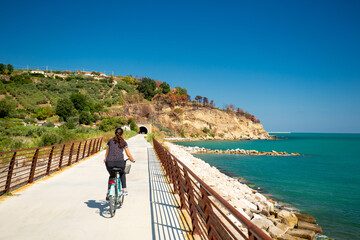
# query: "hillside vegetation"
47,108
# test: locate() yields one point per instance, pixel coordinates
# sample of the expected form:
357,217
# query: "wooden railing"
212,217
20,167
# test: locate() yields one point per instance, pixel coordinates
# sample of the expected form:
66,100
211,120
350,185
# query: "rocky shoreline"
236,151
278,223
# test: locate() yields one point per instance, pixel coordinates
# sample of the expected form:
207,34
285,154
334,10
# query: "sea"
324,181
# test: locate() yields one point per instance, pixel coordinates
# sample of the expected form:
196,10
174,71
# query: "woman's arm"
107,152
129,154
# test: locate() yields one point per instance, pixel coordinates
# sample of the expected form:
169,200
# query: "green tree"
7,105
10,68
65,108
43,113
50,138
133,126
147,86
21,78
129,80
2,68
181,91
111,123
85,118
165,87
79,101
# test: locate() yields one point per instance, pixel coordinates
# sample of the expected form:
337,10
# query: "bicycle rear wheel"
112,206
112,201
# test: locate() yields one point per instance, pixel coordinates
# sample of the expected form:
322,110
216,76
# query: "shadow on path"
101,205
167,219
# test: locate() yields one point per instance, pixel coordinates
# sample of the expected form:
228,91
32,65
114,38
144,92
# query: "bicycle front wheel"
121,199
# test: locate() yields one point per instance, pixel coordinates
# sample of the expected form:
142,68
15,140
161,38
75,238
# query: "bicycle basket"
127,167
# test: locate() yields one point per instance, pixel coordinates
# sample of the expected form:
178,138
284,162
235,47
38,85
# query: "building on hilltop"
37,71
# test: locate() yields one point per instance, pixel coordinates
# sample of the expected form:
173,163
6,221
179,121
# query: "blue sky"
294,64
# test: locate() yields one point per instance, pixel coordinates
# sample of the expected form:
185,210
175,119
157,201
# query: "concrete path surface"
71,204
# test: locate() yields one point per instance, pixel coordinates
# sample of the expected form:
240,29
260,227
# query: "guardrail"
20,167
210,214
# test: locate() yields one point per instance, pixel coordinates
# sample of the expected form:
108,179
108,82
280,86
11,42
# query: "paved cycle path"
71,204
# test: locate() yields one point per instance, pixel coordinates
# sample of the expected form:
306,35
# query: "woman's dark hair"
118,138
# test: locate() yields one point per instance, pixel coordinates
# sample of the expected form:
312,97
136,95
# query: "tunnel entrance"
143,130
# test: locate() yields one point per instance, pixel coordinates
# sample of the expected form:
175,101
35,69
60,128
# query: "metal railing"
20,167
212,217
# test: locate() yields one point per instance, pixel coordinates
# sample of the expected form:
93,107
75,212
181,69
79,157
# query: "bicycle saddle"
117,169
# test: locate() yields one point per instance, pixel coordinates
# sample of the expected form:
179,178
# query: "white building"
126,128
37,71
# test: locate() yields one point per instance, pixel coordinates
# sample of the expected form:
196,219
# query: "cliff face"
212,123
197,122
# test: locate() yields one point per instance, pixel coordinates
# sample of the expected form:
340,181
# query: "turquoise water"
323,182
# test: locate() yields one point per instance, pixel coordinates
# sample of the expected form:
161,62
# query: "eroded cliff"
194,121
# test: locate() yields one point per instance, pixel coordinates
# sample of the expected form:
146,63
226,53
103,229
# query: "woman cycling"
114,158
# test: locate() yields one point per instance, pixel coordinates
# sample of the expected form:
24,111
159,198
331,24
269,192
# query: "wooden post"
84,149
33,166
97,145
49,162
78,152
191,202
88,154
61,156
70,153
10,172
100,144
93,148
208,213
174,165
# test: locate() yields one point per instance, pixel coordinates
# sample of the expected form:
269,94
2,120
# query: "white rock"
275,232
261,222
242,212
260,197
249,204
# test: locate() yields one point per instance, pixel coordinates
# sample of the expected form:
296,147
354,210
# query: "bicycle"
116,196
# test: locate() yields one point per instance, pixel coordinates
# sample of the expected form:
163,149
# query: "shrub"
50,138
70,125
158,136
19,113
7,105
43,113
49,124
182,133
85,118
29,120
205,130
124,86
111,123
21,79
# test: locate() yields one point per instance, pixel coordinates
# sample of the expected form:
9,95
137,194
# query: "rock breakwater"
279,224
236,151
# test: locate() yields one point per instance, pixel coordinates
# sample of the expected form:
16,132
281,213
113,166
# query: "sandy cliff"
197,122
221,124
